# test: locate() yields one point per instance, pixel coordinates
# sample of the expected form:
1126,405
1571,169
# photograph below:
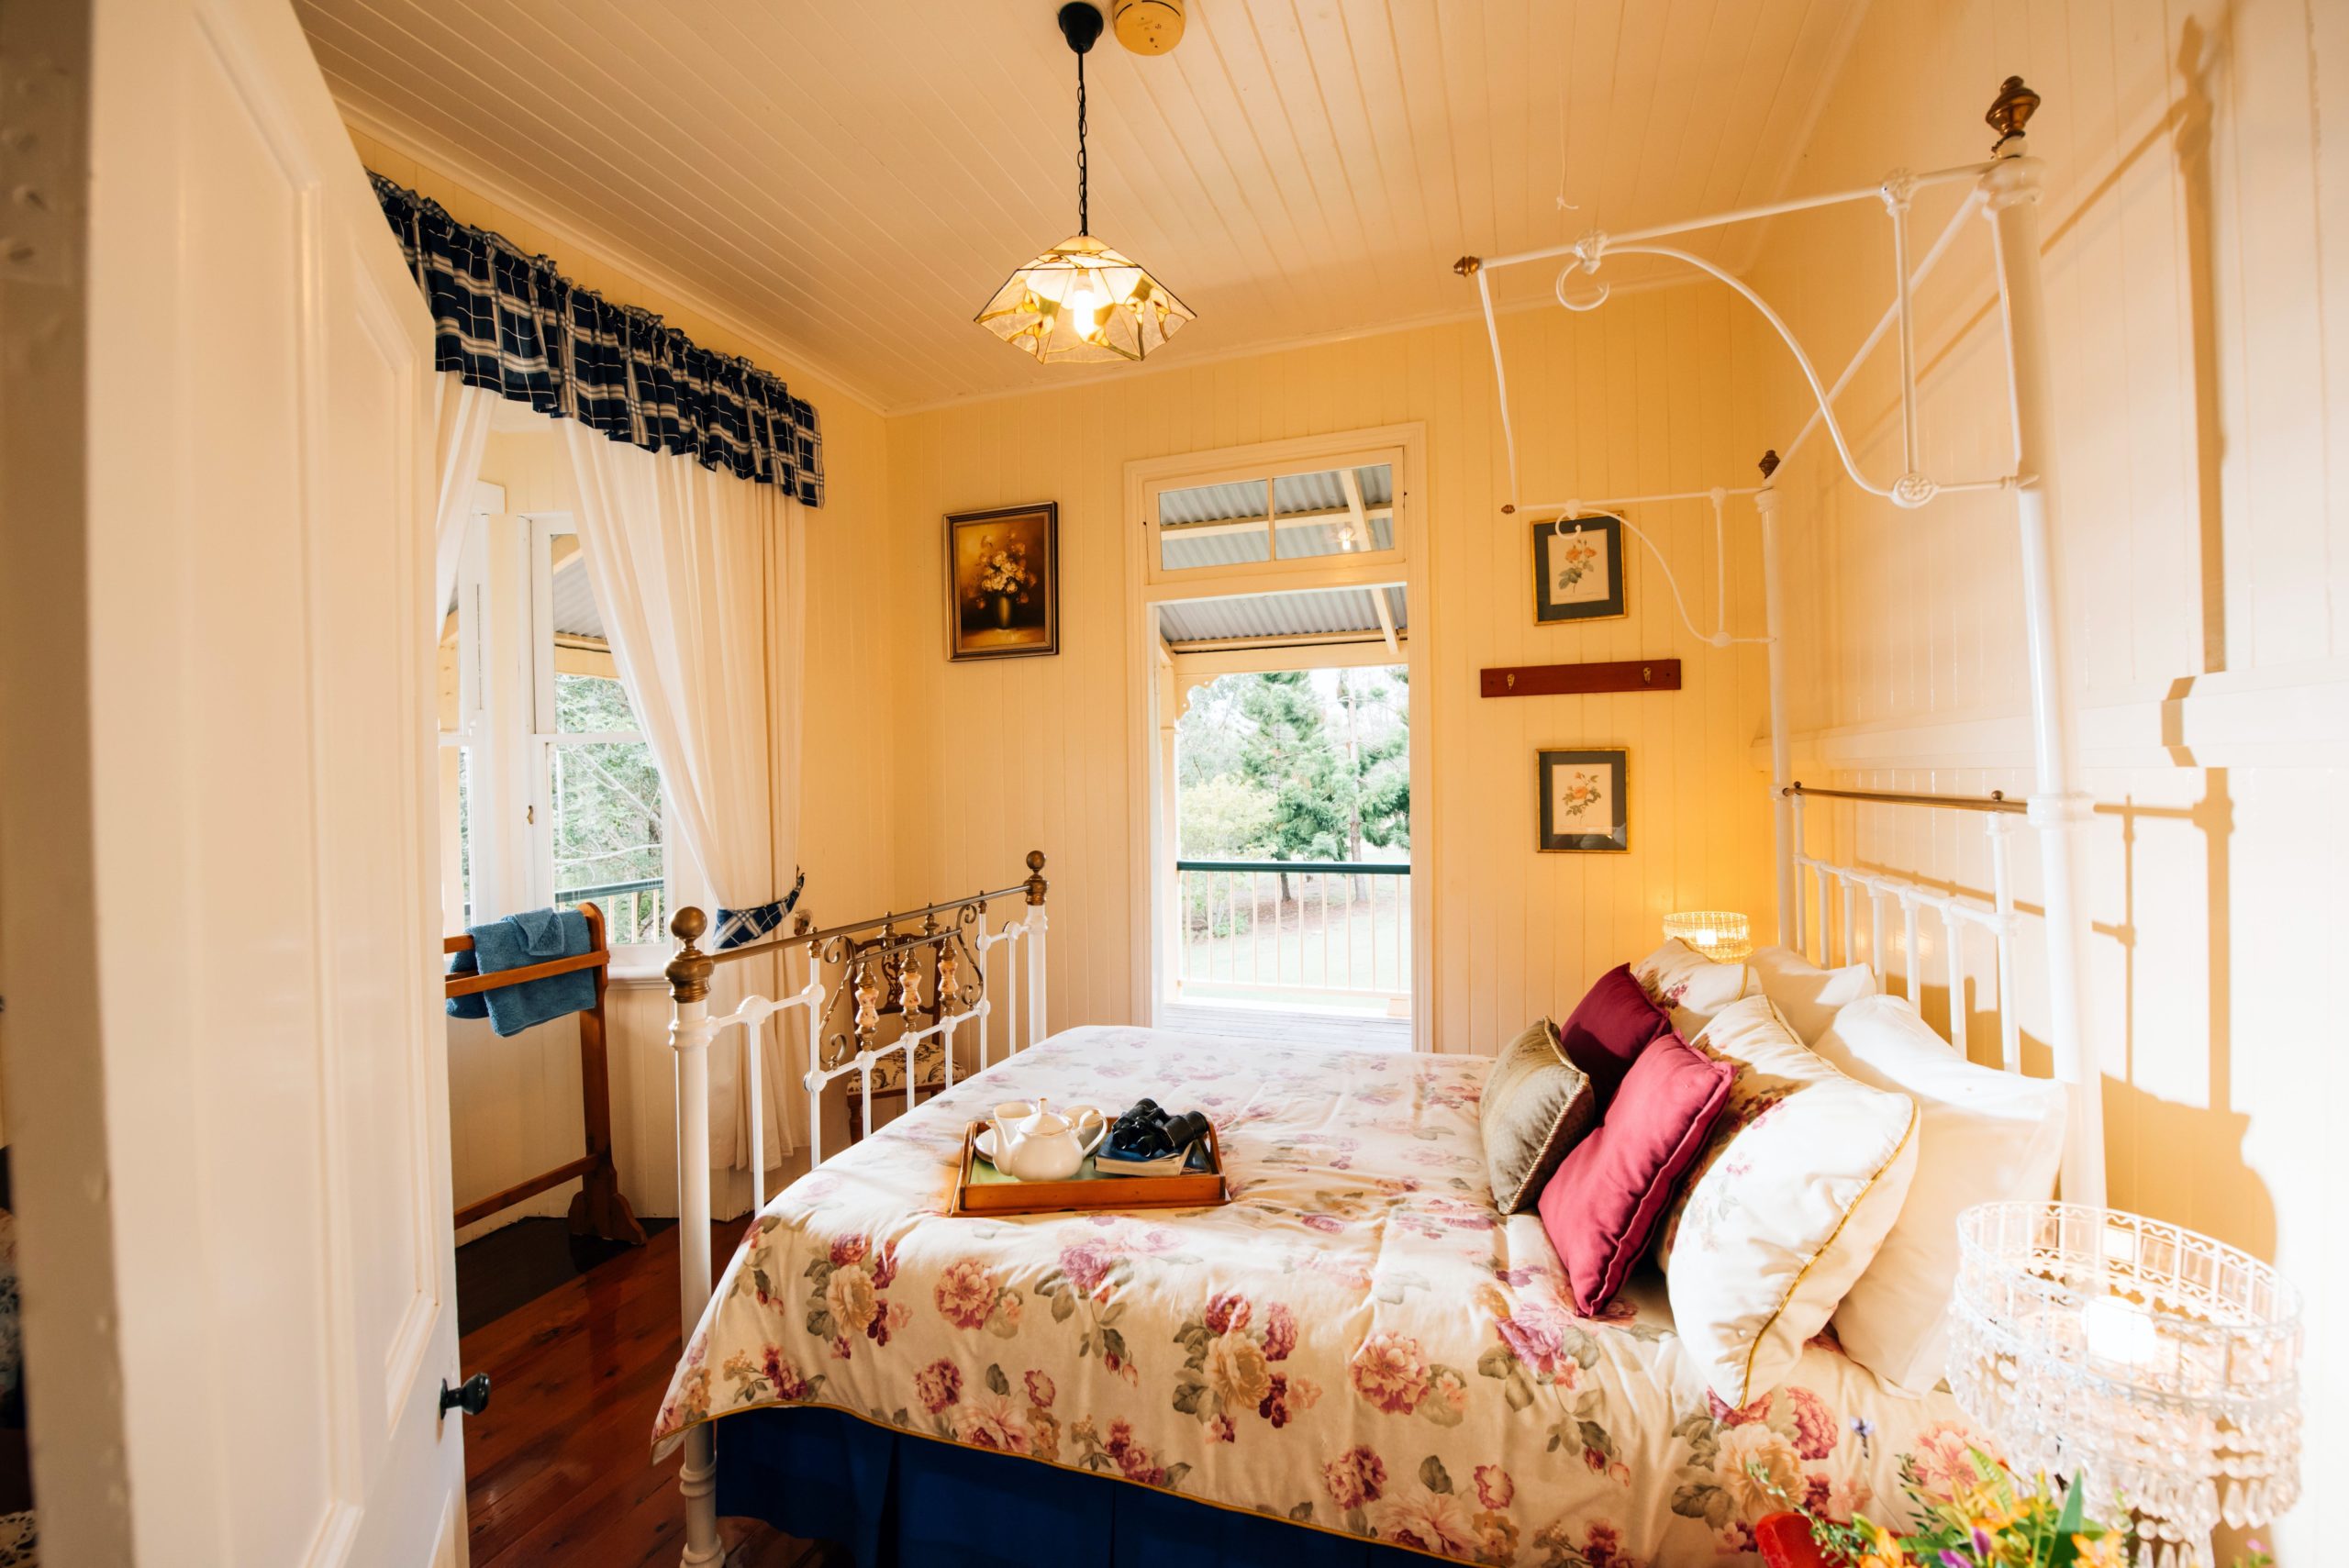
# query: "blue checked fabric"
512,324
735,927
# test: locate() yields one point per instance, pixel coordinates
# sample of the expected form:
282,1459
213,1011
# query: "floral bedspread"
1357,1342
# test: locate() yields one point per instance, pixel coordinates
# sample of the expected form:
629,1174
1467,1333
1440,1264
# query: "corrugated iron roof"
1273,615
575,614
1185,552
1211,503
1322,492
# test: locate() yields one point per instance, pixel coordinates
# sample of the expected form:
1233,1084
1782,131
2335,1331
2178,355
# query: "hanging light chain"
1084,214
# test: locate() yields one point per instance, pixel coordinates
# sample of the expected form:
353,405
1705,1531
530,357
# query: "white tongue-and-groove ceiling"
851,179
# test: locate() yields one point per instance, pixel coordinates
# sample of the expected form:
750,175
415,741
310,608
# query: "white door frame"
1147,667
217,929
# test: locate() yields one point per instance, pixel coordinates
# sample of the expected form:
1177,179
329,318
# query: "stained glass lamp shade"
2135,1357
1082,301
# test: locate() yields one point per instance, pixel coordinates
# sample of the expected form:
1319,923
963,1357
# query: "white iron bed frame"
859,974
856,974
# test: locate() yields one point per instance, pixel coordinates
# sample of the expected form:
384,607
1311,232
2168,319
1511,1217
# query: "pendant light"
1082,301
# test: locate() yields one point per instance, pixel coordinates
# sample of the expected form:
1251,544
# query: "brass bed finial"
689,972
2011,110
1036,883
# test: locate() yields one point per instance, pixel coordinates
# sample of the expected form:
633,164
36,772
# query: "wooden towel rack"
598,1207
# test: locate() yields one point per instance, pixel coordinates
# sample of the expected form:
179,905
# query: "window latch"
530,815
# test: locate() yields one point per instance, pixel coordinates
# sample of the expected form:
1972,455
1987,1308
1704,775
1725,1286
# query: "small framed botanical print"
1003,582
1586,801
1578,570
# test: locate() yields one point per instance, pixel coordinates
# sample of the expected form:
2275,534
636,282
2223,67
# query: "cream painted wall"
2197,267
994,759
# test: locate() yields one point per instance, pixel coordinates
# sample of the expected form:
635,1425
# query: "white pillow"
1687,984
1808,995
1985,1137
1786,1203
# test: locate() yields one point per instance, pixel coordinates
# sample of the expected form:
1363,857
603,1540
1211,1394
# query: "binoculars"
1146,1132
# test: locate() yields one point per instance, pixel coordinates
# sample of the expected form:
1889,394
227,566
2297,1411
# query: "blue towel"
516,942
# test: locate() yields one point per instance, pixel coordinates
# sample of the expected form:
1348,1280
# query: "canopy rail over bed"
2005,191
858,977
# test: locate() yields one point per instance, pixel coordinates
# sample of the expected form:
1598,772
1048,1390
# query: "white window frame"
1268,464
506,716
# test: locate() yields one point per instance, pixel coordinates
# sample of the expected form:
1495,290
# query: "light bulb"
1087,303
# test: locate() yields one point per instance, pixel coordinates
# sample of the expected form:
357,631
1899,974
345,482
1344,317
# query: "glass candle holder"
1721,935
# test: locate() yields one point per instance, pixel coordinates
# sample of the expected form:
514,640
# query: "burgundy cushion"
1605,1199
1608,1029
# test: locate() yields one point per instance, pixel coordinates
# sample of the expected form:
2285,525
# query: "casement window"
550,795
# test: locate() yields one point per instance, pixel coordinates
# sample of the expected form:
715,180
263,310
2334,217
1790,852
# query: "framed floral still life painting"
1578,570
1586,801
1002,570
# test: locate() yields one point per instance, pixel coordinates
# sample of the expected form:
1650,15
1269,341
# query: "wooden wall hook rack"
1579,680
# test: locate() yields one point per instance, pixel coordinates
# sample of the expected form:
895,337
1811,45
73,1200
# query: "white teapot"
1033,1143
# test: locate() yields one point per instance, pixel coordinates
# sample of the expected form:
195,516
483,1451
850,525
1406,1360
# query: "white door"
258,461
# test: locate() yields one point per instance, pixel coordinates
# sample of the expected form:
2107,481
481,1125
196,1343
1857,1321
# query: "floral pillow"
1786,1205
1689,986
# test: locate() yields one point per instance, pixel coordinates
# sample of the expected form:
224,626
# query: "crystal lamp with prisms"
2138,1359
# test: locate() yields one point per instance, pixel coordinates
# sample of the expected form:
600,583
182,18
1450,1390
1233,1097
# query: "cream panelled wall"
1652,394
2197,268
514,1103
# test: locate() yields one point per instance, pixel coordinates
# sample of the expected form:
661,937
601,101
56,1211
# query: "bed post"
2060,807
1782,806
689,1034
1036,884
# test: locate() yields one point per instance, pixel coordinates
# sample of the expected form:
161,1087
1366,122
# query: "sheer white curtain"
462,415
680,559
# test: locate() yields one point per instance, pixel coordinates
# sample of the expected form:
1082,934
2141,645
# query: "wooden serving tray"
993,1193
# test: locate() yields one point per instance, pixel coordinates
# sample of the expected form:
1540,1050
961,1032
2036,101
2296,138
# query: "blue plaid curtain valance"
512,324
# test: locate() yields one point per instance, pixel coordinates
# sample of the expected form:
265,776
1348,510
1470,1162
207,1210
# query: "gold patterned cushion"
1537,1105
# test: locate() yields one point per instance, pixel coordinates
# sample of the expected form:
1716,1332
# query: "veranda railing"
1303,931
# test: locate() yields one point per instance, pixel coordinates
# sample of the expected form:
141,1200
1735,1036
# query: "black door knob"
473,1398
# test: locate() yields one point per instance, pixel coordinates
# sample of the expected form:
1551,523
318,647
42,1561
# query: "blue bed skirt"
900,1501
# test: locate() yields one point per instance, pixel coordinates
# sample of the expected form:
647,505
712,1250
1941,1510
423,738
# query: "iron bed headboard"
1810,924
882,968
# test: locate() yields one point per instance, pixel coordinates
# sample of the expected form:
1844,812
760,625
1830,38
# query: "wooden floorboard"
559,1469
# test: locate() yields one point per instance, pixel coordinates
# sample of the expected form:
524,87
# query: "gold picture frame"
1581,789
1003,582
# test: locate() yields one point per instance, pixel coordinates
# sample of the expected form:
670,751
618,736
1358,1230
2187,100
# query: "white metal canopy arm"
2005,190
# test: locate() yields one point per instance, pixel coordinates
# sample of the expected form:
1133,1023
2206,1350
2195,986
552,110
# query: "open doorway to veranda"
1292,791
1280,759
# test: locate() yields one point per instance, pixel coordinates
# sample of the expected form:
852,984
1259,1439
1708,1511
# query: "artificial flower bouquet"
1996,1522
